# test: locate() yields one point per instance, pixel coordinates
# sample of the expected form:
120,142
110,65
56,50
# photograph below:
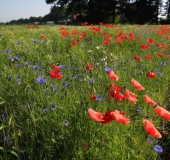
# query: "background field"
47,118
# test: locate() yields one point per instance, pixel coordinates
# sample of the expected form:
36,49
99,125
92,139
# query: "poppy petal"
137,85
150,128
120,118
149,100
113,76
162,112
96,116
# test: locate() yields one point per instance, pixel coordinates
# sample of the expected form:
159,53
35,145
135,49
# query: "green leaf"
1,148
2,127
14,153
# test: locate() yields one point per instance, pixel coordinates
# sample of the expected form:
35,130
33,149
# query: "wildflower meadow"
90,92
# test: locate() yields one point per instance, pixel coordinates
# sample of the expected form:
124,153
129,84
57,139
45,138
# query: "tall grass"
50,120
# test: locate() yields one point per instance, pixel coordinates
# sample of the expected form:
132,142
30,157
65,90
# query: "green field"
45,116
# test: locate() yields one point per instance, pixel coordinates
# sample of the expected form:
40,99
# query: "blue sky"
16,9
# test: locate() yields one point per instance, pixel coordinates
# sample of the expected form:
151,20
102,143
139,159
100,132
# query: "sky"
16,9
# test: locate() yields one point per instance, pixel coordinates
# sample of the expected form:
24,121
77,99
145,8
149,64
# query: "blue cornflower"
66,122
0,34
140,108
82,46
18,56
163,63
41,72
7,50
18,75
74,76
3,116
65,84
158,149
45,110
18,42
40,80
18,81
11,57
42,42
10,76
98,98
53,83
27,106
53,107
77,69
61,66
7,139
159,73
55,89
150,141
27,63
65,38
18,64
35,40
36,67
107,69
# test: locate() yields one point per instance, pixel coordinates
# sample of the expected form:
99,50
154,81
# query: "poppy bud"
151,74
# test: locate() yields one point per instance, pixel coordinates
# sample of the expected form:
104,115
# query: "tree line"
105,11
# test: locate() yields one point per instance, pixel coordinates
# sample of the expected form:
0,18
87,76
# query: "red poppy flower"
150,128
149,100
150,40
56,68
136,57
107,117
112,86
55,74
92,97
160,54
119,96
151,74
118,40
43,36
113,76
144,46
74,32
35,26
132,97
162,112
100,23
84,23
81,36
96,116
106,42
88,66
148,56
117,116
29,26
137,85
86,146
74,42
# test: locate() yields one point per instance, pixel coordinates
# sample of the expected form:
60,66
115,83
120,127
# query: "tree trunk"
168,14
